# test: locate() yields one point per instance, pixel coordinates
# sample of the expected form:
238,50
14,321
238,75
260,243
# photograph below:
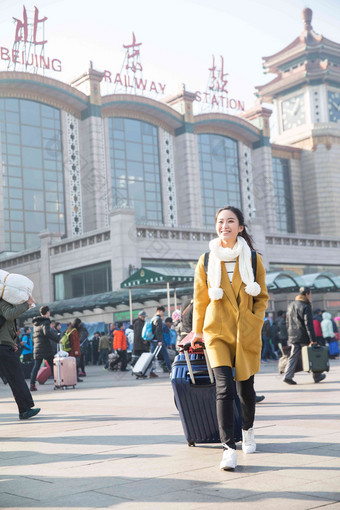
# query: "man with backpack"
42,335
158,338
139,344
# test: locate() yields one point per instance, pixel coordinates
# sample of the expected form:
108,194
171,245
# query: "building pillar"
46,278
93,169
187,172
263,184
124,251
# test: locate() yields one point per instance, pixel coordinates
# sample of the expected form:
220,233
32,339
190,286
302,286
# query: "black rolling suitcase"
195,398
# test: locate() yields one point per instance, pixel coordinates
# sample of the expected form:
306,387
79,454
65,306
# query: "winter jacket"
232,325
282,329
166,333
173,336
75,344
317,327
138,343
28,345
119,340
129,338
157,329
8,334
327,326
42,335
266,329
186,317
300,321
104,342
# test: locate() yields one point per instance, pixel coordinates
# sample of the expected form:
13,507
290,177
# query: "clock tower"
306,112
305,94
306,90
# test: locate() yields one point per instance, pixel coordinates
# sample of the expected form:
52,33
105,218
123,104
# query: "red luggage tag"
185,344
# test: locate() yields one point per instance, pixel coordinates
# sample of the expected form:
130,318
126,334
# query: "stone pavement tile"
332,506
239,488
41,487
300,459
279,501
328,488
136,490
83,499
269,483
12,500
312,472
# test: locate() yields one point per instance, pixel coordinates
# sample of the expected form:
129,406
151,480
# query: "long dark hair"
239,214
76,324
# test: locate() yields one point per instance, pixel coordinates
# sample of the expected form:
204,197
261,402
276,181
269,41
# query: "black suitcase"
315,358
196,401
27,367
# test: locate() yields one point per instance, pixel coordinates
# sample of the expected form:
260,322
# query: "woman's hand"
197,338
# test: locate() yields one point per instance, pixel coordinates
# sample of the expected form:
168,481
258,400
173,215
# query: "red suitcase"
44,374
65,372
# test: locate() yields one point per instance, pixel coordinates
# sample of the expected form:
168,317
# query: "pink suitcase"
44,374
65,372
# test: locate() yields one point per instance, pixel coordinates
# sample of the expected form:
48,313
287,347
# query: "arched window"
33,181
135,168
219,171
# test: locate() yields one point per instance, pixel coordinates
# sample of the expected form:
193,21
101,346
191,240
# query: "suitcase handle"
186,348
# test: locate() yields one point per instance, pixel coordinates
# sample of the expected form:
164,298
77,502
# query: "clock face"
334,106
293,112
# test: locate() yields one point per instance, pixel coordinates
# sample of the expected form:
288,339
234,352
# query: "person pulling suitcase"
230,300
300,332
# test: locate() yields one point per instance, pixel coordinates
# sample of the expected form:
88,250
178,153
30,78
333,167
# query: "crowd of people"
275,333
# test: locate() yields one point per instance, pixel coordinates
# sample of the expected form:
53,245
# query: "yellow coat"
232,325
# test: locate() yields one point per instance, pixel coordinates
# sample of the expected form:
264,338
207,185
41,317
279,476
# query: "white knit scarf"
219,254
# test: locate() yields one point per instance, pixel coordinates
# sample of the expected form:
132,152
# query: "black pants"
225,403
37,365
122,357
27,357
11,368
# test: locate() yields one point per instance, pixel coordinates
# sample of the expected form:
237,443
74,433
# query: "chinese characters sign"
216,95
21,32
131,77
27,52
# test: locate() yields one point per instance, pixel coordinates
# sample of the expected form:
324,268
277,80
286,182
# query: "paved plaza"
115,442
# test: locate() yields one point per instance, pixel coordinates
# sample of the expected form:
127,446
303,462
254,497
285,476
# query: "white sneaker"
248,441
229,459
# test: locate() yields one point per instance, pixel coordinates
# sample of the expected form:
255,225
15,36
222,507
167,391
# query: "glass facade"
33,182
84,281
283,195
219,171
135,168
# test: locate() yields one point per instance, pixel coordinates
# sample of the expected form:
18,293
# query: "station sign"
28,54
28,51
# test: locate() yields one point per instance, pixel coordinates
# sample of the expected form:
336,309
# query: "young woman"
75,329
229,308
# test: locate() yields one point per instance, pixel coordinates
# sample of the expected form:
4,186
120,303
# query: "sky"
178,37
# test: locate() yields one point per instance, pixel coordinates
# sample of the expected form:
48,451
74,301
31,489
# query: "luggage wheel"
191,443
